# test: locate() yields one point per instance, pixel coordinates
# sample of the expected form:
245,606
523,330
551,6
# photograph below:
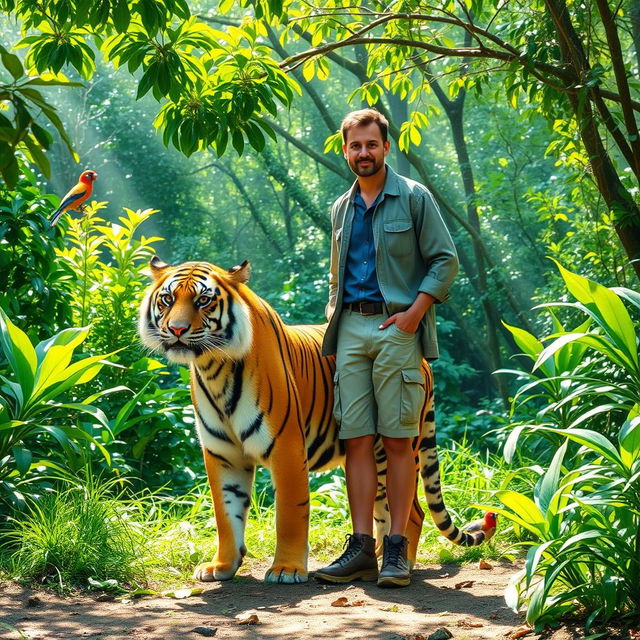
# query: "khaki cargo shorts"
378,384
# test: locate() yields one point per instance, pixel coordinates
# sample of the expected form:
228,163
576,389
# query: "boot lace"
352,547
393,553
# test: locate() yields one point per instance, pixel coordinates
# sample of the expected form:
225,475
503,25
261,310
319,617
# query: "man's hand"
404,320
409,320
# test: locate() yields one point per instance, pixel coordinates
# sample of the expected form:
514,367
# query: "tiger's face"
194,310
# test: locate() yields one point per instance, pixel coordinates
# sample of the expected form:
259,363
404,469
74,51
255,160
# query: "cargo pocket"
398,236
411,396
337,406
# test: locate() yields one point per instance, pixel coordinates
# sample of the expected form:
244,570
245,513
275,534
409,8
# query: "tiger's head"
194,309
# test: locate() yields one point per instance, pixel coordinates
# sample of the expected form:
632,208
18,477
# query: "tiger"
263,394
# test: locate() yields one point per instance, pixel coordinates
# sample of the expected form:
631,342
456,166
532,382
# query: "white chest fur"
229,420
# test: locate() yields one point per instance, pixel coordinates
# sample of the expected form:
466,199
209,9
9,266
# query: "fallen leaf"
520,632
340,602
179,594
357,603
465,584
468,624
252,619
484,565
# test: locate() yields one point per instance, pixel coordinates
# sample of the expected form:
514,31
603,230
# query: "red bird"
486,525
76,195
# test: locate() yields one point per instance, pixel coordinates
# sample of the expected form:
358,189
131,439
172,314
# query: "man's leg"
355,410
401,481
399,391
362,482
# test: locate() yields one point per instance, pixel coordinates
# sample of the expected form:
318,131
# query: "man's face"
364,150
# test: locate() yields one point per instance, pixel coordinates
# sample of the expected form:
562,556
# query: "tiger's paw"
213,571
279,574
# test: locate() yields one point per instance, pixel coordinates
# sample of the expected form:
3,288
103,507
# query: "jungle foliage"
519,117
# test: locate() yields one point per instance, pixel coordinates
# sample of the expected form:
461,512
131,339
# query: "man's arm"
333,271
440,258
436,247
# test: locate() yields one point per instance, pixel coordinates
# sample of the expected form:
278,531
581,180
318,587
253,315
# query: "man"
392,258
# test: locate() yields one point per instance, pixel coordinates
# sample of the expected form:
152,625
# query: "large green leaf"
547,486
531,347
67,337
591,439
629,439
19,352
607,307
523,506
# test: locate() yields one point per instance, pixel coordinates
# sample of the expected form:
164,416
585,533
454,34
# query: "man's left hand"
405,321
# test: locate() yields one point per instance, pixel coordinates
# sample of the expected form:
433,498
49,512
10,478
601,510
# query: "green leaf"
121,15
23,458
531,347
19,352
13,65
147,81
237,140
629,439
523,506
591,439
510,445
548,485
607,307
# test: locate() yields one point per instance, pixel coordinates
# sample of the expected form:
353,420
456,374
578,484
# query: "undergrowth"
93,534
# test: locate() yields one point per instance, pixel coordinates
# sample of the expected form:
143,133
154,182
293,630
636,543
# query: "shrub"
584,517
35,429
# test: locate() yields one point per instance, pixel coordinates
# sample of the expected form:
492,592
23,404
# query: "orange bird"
487,524
76,195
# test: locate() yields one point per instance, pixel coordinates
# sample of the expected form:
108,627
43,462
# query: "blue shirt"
360,280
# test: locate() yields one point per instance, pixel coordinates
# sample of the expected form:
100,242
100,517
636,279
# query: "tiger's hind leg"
231,490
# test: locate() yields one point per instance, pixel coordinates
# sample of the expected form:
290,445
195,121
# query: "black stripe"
267,453
253,427
236,392
220,435
208,395
219,457
326,456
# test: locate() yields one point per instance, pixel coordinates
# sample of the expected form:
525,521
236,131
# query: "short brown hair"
361,118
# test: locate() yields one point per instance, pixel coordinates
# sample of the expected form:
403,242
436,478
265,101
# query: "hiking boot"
358,561
395,570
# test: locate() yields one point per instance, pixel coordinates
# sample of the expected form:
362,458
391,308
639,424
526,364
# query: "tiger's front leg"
290,476
231,491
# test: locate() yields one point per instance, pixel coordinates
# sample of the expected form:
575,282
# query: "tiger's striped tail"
430,473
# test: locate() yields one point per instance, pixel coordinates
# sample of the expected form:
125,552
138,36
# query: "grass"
77,534
91,531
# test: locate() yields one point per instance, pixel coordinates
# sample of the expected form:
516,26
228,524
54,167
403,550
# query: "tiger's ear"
241,272
157,267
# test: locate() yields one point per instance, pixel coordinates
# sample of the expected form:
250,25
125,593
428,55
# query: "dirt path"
472,612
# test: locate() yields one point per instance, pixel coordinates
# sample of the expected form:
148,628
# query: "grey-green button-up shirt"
414,252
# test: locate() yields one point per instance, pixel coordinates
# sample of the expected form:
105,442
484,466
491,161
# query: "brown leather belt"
365,308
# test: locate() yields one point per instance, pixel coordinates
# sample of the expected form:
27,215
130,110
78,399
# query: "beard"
367,169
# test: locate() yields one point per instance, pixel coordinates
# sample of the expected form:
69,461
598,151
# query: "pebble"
440,634
205,631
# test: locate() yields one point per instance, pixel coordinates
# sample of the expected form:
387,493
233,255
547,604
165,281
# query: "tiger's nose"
178,330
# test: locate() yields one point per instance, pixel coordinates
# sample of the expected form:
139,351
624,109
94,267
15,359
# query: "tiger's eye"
166,298
203,301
